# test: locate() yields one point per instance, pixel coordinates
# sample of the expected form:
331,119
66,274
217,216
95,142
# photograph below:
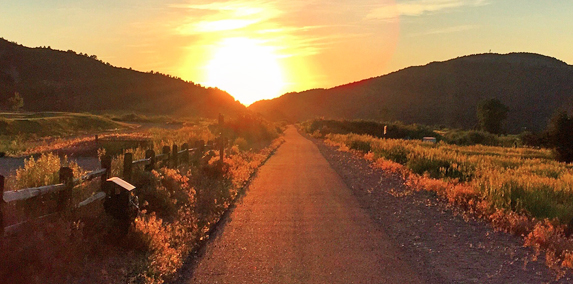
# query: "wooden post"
2,204
150,154
127,165
166,151
96,140
174,156
185,157
221,149
105,164
221,120
65,196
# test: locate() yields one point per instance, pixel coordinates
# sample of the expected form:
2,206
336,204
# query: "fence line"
170,157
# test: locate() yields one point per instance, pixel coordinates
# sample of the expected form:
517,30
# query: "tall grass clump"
43,170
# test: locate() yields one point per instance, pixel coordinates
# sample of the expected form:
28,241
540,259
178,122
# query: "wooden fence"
171,157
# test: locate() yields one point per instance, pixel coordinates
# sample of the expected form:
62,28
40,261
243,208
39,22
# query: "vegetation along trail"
299,223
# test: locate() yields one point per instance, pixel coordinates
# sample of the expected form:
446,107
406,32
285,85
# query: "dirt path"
299,223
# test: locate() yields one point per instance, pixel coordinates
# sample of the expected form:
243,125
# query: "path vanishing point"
299,223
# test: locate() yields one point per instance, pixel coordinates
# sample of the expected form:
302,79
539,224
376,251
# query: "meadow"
178,209
519,190
30,133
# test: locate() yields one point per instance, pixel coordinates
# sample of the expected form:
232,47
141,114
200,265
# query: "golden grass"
519,190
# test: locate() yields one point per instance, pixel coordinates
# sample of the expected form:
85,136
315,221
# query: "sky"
259,49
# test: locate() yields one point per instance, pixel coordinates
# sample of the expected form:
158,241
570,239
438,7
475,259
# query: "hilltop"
445,93
54,80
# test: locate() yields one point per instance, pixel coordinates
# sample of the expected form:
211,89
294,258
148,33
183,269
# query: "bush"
395,130
43,171
561,136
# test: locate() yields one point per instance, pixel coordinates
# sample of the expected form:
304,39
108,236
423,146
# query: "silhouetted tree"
491,113
16,102
561,136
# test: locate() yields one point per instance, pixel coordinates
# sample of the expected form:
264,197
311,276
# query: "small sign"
124,184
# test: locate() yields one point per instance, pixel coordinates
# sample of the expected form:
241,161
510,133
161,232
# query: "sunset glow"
246,69
299,44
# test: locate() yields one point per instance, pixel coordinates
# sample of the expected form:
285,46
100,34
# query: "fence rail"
67,182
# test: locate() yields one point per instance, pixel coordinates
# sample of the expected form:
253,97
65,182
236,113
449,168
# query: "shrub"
43,171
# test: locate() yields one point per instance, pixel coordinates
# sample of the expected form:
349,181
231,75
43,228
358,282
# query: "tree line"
491,114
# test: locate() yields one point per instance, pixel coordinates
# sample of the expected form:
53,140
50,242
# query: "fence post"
175,155
2,203
185,157
150,154
165,151
65,196
127,165
221,149
105,164
221,119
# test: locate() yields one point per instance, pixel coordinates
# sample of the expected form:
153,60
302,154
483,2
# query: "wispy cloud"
420,7
448,30
223,16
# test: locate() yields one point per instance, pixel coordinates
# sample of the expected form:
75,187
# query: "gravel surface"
436,241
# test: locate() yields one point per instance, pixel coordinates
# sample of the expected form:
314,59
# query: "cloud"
223,16
447,30
420,7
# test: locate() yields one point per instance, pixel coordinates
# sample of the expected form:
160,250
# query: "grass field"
22,131
519,190
518,179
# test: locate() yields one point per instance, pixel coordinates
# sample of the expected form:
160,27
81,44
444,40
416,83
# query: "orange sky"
258,49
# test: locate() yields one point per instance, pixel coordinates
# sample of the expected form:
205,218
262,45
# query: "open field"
519,190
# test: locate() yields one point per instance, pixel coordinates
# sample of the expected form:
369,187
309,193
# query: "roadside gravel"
441,244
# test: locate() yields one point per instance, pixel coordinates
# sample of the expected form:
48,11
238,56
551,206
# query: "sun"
246,69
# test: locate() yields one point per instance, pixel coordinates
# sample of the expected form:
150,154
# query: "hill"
446,93
53,80
55,124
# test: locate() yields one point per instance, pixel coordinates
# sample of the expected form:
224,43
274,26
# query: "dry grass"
520,191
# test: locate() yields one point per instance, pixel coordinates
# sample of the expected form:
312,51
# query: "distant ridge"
445,93
54,80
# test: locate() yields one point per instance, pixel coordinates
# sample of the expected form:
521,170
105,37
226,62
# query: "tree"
16,102
561,136
491,113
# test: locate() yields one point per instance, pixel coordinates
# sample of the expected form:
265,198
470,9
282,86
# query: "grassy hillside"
54,124
53,80
442,93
